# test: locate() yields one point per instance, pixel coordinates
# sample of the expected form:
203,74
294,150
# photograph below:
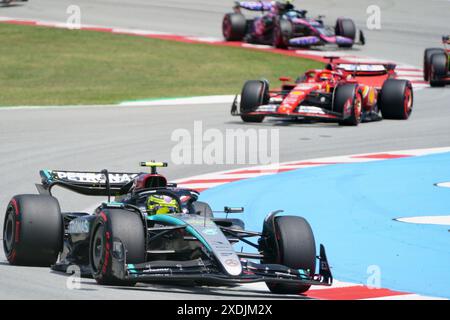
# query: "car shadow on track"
288,123
186,288
10,5
191,289
88,284
211,292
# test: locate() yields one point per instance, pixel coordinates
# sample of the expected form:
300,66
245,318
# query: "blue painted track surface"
351,208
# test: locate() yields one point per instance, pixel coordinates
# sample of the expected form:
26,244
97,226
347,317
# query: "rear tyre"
345,28
254,93
427,61
234,26
33,230
112,225
297,250
396,99
348,96
438,69
282,33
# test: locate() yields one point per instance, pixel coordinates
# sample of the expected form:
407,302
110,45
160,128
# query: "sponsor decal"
200,222
305,86
362,67
231,262
210,231
78,226
93,177
310,109
267,108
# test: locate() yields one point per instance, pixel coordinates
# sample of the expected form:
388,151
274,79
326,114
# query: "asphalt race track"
92,138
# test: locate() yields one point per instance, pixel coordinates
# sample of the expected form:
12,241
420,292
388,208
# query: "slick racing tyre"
396,99
203,209
296,249
438,69
33,230
254,94
282,33
345,28
344,94
427,61
110,226
234,26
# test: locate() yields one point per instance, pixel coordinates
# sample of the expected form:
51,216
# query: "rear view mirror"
390,66
285,79
233,210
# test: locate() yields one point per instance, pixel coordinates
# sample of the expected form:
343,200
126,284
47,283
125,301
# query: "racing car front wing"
205,271
304,112
301,112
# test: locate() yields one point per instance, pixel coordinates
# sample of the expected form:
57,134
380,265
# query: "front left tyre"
234,26
282,33
33,230
254,94
345,28
347,101
110,226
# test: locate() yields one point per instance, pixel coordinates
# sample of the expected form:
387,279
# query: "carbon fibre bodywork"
190,245
283,26
314,95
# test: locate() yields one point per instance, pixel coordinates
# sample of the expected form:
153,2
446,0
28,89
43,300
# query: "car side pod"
343,40
304,41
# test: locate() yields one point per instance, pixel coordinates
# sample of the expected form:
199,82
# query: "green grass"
45,66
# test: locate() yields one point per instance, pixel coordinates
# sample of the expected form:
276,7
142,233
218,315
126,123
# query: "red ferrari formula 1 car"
342,92
436,64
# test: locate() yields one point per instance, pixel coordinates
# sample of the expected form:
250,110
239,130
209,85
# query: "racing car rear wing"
93,183
252,5
264,7
360,69
87,183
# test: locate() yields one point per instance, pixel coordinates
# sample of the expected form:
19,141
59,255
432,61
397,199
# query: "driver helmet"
162,204
283,6
325,76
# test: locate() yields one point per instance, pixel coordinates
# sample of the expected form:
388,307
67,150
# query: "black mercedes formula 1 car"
154,231
281,25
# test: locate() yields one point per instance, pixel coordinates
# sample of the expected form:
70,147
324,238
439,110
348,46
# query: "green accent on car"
166,218
47,174
131,268
304,274
114,204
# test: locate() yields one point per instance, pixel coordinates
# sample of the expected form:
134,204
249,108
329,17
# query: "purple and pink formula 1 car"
283,26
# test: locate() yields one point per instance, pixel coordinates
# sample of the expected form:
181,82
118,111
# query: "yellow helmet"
162,204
